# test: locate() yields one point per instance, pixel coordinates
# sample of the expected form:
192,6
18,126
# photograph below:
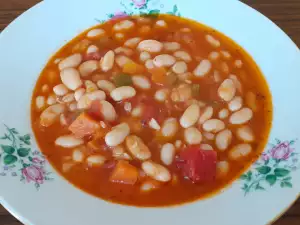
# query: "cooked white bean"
179,67
217,76
149,64
226,54
222,169
161,95
73,106
167,153
79,93
171,46
40,102
213,56
70,77
150,46
132,42
121,60
123,25
203,68
141,82
78,155
224,67
223,139
106,86
239,151
223,113
227,90
178,144
119,36
107,111
95,33
51,100
235,104
56,61
60,89
154,124
122,93
236,82
107,62
213,41
66,167
117,135
192,136
209,136
206,114
68,141
137,147
206,147
242,116
90,86
213,125
86,100
51,114
169,127
245,133
238,64
92,49
183,56
68,98
148,185
88,67
119,153
95,160
123,50
127,107
137,111
190,116
144,56
71,61
182,93
156,171
63,120
161,23
164,60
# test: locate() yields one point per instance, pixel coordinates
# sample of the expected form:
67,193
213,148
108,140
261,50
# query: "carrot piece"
83,125
159,75
132,68
124,173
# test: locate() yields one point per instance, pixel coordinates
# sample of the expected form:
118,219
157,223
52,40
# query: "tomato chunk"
83,125
124,173
198,165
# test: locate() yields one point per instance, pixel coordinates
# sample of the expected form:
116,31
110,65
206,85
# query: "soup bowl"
35,193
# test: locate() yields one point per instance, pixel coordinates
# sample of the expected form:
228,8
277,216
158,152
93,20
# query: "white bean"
121,60
242,116
192,136
106,86
149,185
127,107
119,36
63,120
107,62
213,125
73,106
178,144
179,67
60,89
122,93
70,62
66,167
132,42
217,76
78,155
161,23
88,67
125,51
169,127
171,46
223,139
144,56
154,124
190,116
86,100
51,100
167,153
213,56
238,64
240,151
92,49
236,82
95,160
224,67
223,113
164,60
226,54
161,95
141,82
222,169
227,90
206,147
123,25
149,64
203,68
137,147
209,136
235,104
107,111
117,135
156,171
119,153
213,41
90,86
68,98
70,77
137,111
150,46
79,93
183,56
51,114
245,133
95,33
40,102
206,115
68,141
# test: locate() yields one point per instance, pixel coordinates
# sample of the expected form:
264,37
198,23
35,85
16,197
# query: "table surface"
285,13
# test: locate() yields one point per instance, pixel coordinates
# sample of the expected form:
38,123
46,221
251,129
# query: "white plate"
44,198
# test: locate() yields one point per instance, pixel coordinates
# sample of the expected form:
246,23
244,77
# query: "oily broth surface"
96,180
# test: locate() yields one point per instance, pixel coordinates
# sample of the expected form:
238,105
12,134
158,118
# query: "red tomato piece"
198,165
95,110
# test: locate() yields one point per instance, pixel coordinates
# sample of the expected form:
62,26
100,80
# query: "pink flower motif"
119,15
281,151
265,157
36,160
33,173
139,3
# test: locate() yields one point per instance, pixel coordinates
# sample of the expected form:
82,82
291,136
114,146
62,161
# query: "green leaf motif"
244,177
175,9
23,152
9,159
285,184
13,130
263,169
287,178
271,179
258,187
154,12
8,149
280,172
